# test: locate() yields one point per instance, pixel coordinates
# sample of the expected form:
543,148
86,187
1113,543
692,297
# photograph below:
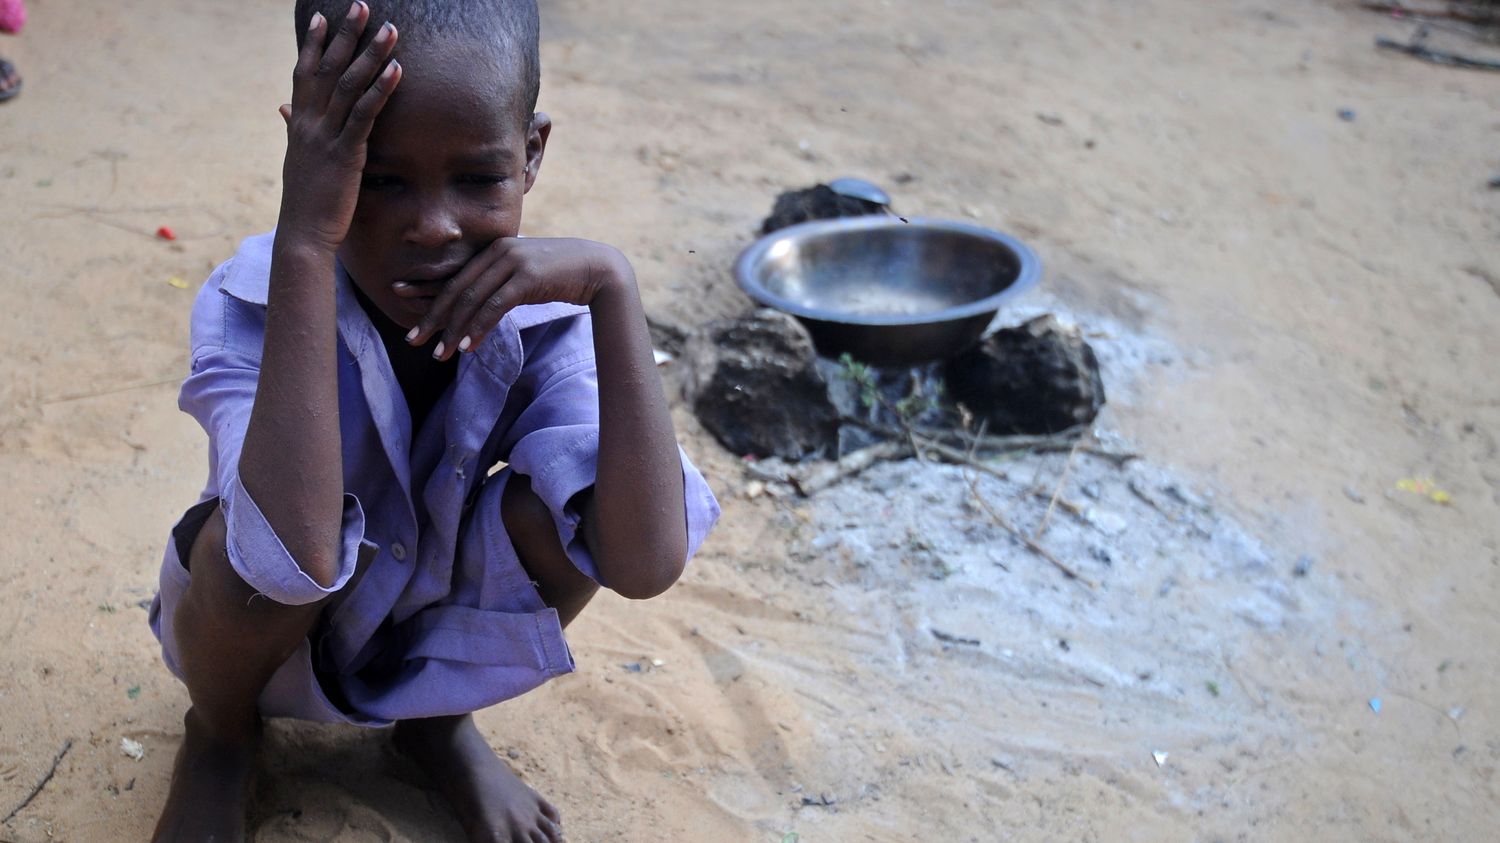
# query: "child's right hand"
335,100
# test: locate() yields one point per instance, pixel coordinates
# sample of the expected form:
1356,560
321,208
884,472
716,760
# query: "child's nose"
434,224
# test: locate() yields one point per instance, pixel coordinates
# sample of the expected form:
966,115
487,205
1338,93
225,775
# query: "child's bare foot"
210,787
492,804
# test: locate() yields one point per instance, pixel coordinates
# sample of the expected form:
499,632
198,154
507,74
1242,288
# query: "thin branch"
1481,18
1057,493
79,396
1004,523
1032,546
1437,56
819,477
37,788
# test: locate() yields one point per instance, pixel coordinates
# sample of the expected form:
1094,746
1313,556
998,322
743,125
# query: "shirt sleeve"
554,440
219,394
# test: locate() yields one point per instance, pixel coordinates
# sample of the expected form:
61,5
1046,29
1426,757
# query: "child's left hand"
514,271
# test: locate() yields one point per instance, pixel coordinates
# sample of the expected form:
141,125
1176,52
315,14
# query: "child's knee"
219,592
525,514
533,533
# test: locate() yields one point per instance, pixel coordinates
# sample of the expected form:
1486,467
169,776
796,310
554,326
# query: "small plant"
909,410
861,376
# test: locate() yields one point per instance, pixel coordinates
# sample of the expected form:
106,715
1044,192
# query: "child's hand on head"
336,97
514,271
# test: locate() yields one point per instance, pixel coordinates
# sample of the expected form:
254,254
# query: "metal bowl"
887,291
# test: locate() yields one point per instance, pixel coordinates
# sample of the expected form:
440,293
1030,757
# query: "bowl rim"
1028,276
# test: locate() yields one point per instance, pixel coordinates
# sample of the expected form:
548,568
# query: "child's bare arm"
634,520
291,462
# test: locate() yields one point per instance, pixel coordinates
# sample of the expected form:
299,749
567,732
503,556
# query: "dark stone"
818,202
755,385
1039,377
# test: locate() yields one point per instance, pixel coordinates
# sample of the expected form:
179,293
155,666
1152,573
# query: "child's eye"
483,179
378,182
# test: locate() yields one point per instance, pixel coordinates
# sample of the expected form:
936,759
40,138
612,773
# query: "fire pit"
889,291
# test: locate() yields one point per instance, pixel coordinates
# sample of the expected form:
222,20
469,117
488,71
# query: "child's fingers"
336,58
465,333
361,75
470,300
286,112
307,60
367,108
460,287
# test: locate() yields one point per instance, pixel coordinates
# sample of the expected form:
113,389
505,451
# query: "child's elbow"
653,580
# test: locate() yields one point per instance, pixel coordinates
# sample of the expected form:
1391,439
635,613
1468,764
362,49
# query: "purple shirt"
444,619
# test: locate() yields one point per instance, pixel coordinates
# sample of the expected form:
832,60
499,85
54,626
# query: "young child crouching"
360,373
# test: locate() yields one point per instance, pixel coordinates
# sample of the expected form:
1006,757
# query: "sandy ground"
1322,293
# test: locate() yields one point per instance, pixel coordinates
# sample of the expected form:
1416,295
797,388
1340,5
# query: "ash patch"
1174,579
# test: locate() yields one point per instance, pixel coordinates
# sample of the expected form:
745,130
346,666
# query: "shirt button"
398,550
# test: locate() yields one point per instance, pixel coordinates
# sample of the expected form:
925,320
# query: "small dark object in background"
818,202
1038,377
1494,182
754,384
1347,115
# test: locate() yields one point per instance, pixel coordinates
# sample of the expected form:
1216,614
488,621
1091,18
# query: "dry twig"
37,788
79,396
819,477
1061,482
1005,524
1442,57
1458,14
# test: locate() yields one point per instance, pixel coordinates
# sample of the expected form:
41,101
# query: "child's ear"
536,145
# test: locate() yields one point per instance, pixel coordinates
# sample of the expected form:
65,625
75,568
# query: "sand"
1296,312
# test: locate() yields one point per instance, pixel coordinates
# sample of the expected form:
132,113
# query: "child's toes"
548,811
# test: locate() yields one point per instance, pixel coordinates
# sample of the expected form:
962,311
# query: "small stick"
1061,482
1026,540
821,477
1419,12
1070,507
1136,490
958,457
1051,443
1437,56
950,638
1255,698
79,396
1001,520
67,745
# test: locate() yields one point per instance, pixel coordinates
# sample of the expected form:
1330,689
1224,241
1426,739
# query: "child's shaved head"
510,27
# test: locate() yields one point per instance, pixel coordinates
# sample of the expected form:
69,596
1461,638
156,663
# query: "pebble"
1108,523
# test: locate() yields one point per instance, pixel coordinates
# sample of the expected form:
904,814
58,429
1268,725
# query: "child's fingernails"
390,69
463,344
437,353
354,11
384,34
411,335
316,23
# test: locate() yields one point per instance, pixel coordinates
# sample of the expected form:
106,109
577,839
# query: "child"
361,373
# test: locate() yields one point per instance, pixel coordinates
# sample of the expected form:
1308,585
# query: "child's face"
449,161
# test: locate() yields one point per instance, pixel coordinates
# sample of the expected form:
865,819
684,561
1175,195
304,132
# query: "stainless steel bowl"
887,291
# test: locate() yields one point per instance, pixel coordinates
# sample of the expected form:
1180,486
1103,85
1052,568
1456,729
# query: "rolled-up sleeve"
219,394
555,438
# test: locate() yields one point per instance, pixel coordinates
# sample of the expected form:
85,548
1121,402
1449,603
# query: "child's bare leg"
229,644
491,802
